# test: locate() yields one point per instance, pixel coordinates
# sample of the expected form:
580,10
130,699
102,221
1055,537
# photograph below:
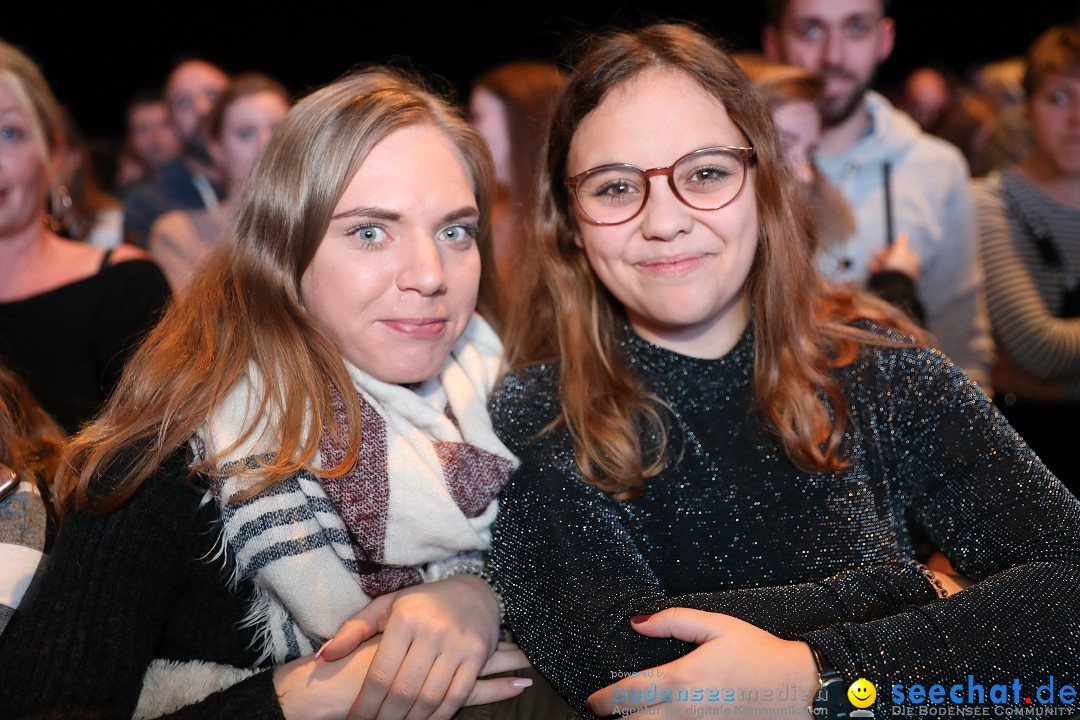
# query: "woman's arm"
125,588
108,603
1003,521
572,578
1043,346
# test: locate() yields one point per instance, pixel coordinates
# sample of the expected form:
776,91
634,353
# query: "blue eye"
459,234
1059,98
809,30
12,133
369,234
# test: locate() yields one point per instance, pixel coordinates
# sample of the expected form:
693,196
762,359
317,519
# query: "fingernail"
638,619
521,683
319,654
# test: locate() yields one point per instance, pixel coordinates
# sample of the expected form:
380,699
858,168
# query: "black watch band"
830,700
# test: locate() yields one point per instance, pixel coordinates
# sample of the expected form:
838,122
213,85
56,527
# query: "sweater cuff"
255,697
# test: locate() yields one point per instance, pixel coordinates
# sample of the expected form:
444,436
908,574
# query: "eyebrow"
391,216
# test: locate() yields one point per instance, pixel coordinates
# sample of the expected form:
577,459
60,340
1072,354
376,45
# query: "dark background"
94,63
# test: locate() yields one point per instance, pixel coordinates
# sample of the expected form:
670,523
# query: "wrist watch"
830,701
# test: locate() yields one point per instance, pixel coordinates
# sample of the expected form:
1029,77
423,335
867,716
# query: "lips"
419,328
671,266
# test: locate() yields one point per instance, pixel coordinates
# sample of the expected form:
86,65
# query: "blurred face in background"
22,168
799,125
488,113
190,92
844,41
1053,111
246,126
150,134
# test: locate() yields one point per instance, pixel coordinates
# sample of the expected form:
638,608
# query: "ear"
578,242
886,39
770,43
58,153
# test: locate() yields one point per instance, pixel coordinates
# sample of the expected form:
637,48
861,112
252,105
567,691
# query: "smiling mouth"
420,328
671,266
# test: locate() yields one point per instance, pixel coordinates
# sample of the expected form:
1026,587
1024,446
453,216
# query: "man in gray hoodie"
897,178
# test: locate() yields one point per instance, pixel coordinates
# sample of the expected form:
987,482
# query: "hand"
1007,377
436,638
898,256
732,654
312,688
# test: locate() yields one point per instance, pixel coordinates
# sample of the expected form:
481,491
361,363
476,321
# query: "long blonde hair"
801,328
244,309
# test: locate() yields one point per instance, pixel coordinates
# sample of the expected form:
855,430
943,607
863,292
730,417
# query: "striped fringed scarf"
421,496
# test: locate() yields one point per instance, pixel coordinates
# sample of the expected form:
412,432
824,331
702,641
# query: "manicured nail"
319,654
638,619
521,683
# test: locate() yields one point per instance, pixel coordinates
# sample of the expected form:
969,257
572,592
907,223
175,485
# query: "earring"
58,218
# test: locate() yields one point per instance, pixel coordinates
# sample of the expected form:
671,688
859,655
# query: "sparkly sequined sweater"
731,526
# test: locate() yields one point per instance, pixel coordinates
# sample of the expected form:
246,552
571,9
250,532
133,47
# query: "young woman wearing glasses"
718,448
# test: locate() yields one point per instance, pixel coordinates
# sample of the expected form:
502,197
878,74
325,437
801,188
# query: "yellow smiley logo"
862,693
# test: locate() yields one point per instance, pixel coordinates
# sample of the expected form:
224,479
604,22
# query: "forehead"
650,121
259,105
148,111
9,101
416,169
193,76
830,10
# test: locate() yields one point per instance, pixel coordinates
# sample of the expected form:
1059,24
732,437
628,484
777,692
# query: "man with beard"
897,178
190,181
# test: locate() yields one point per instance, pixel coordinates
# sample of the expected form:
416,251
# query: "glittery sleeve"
572,574
999,515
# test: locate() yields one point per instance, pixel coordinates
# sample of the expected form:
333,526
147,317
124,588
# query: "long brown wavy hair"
802,328
30,440
244,309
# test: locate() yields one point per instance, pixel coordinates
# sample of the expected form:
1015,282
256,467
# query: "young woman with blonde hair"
306,430
719,448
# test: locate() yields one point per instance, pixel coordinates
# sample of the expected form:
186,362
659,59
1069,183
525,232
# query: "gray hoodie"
931,202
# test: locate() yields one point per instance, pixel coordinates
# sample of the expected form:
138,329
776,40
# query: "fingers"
385,672
496,689
696,626
449,701
443,692
508,657
364,625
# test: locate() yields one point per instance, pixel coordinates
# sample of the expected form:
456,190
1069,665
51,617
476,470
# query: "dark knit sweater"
120,590
731,526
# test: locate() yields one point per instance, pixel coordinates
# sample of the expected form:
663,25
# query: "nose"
423,270
664,217
834,49
203,103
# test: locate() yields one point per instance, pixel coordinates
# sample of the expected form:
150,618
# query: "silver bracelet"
931,578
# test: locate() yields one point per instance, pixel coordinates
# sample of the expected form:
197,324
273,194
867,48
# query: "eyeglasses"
706,179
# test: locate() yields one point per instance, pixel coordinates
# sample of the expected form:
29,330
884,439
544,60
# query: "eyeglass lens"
704,181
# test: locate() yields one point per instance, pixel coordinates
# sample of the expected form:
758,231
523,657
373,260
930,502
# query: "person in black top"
69,313
719,452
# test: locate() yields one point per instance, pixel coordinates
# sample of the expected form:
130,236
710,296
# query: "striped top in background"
1030,247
